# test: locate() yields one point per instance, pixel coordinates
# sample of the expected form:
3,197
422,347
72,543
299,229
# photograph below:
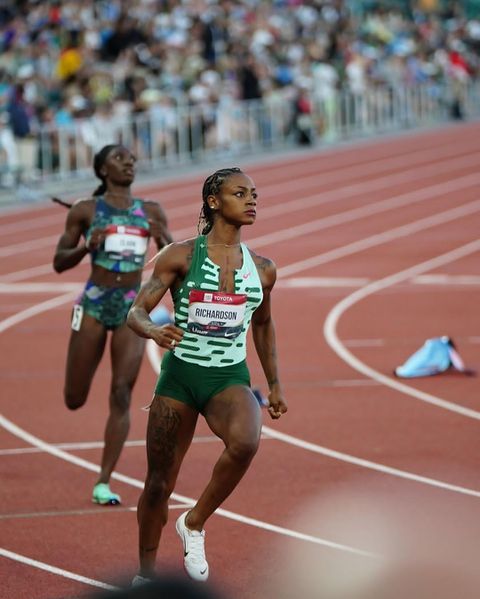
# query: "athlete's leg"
170,429
85,351
126,349
233,415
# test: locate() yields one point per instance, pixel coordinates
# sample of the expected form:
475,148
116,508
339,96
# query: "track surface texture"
377,248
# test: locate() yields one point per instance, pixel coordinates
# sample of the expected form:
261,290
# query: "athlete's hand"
96,239
277,404
167,336
159,232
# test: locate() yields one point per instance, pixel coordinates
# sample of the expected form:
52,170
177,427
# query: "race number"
77,317
216,314
122,240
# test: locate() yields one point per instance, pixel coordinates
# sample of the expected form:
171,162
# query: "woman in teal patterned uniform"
113,228
218,287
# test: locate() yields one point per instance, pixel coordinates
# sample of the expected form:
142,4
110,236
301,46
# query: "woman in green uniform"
114,229
218,287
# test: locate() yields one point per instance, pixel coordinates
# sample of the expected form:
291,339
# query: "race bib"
122,241
77,317
216,314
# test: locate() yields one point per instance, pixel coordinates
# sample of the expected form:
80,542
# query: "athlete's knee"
74,398
157,490
120,397
243,450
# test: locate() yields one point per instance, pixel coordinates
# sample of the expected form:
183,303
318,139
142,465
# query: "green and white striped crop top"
215,324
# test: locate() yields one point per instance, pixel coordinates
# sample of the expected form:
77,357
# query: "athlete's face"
119,166
237,200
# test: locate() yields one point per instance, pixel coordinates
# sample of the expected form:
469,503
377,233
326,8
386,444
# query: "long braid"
212,186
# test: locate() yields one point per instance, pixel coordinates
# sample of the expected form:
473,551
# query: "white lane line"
374,183
54,570
324,223
439,279
310,282
37,222
298,204
330,175
291,283
405,199
345,457
380,238
97,445
40,287
153,357
33,271
28,246
36,309
36,442
333,317
32,440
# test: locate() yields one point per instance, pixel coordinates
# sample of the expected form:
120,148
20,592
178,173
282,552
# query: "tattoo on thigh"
162,434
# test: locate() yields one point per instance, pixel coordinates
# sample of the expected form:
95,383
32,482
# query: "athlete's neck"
227,241
121,198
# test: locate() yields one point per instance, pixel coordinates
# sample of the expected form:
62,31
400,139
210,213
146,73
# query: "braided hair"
98,161
211,187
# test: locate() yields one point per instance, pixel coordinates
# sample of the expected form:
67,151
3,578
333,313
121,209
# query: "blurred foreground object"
166,587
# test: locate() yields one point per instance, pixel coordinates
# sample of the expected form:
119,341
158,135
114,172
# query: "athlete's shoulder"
266,267
261,262
82,209
177,251
150,205
86,203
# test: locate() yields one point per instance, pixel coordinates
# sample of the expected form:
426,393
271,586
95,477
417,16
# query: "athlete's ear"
212,202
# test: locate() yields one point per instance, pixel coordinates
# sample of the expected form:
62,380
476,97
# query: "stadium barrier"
165,136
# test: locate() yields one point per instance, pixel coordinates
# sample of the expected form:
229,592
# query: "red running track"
377,249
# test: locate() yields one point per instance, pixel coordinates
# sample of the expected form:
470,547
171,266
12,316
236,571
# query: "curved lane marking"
331,322
154,358
59,453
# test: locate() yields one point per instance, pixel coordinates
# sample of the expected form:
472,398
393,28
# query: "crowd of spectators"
97,61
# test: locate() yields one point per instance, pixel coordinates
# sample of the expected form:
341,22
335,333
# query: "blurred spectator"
21,122
83,59
303,121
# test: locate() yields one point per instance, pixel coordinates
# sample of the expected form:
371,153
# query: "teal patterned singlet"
215,324
128,232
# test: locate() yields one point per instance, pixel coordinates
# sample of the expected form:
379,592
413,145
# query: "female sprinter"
218,287
114,228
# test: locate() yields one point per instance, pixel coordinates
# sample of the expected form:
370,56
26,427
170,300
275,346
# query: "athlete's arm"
68,252
158,224
170,264
263,330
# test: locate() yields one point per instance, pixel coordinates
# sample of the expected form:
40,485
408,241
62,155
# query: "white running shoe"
193,541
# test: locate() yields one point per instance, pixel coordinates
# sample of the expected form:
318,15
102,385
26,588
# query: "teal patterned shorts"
108,305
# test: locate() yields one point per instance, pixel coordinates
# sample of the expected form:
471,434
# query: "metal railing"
167,136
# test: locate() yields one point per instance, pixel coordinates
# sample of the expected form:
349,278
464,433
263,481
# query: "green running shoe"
103,495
